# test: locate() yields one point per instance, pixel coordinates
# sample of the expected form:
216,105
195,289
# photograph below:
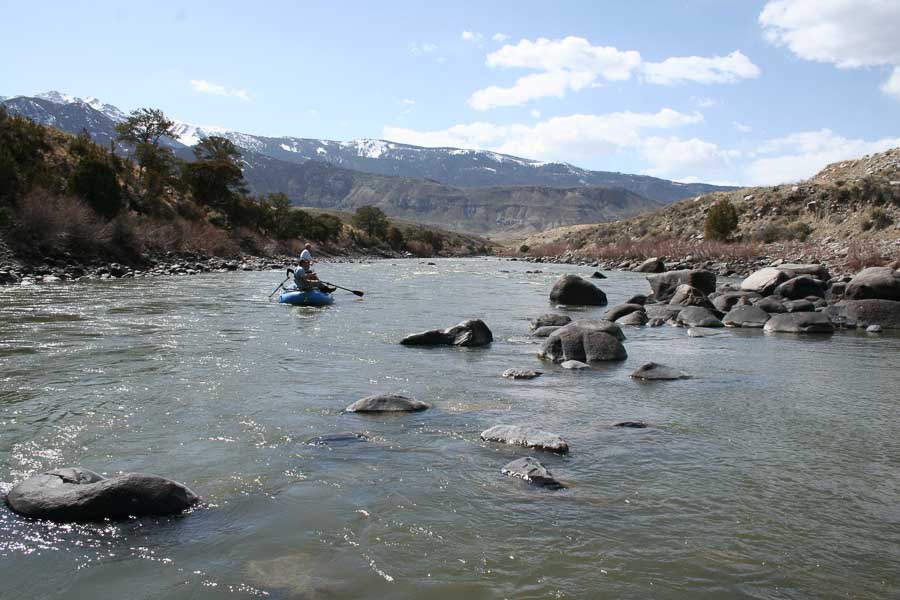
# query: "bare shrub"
47,223
419,248
861,255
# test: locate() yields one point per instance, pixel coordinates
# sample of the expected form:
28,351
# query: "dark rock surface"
387,403
817,271
728,300
637,318
799,322
529,437
666,312
631,424
74,494
620,310
863,313
687,295
575,291
771,304
665,284
651,265
597,275
637,299
803,305
337,439
800,287
874,283
764,281
585,341
697,316
550,320
532,471
746,316
656,371
545,331
472,332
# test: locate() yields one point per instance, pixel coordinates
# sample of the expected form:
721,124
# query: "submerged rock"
77,494
656,371
597,275
333,439
532,471
387,403
799,322
472,332
545,331
574,365
620,310
528,437
631,424
573,290
636,319
521,374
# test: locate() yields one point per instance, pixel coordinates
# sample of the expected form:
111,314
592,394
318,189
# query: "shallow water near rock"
773,472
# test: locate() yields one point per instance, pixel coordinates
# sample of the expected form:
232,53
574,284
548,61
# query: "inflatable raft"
307,298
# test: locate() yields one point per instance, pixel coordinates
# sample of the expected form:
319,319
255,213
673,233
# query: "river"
773,473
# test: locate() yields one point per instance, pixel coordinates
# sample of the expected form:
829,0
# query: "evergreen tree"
95,181
721,220
372,220
144,128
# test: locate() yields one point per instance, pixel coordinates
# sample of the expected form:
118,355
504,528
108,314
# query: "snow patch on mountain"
369,148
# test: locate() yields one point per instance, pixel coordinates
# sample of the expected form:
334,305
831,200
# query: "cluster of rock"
789,298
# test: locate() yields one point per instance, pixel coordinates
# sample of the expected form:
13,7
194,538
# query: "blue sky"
732,91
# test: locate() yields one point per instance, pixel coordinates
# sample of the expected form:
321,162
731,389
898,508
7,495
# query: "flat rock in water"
656,371
528,437
746,316
874,283
793,306
666,312
818,271
550,320
532,471
574,365
74,494
764,281
337,439
521,374
697,316
573,290
771,304
387,403
472,332
800,322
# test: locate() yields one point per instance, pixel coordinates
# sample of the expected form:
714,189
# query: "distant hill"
846,203
512,199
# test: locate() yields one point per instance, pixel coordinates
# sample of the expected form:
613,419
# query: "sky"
721,91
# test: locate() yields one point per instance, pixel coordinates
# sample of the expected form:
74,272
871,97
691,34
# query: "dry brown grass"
47,223
861,255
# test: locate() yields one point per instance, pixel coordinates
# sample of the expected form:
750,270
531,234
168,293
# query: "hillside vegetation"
64,198
848,207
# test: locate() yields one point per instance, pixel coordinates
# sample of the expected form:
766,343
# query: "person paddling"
306,279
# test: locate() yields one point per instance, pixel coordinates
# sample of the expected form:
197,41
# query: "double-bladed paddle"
289,273
354,292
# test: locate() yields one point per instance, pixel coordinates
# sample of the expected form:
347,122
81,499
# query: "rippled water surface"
773,473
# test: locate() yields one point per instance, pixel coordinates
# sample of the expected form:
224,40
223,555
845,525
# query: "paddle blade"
357,293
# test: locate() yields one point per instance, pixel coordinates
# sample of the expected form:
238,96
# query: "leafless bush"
861,254
46,223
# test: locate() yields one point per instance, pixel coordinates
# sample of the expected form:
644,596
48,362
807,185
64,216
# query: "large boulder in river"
799,322
550,320
472,332
728,300
585,341
817,271
863,313
665,284
688,295
531,470
76,494
697,316
573,290
764,281
545,331
637,318
654,371
651,265
746,316
874,283
529,437
664,312
380,403
771,304
800,287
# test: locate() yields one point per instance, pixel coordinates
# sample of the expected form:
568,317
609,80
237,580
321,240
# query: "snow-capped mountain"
450,166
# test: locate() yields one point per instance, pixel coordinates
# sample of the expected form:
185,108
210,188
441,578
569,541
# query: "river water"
773,473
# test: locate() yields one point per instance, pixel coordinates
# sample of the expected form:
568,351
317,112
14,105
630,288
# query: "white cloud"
892,85
846,33
471,36
741,127
408,101
801,155
500,37
687,160
573,64
206,87
704,102
535,113
417,49
571,137
700,69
